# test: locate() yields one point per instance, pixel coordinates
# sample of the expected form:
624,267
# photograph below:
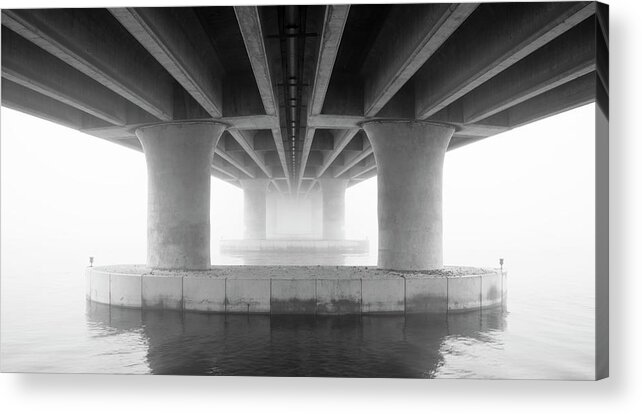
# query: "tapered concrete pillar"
410,159
333,192
179,161
254,208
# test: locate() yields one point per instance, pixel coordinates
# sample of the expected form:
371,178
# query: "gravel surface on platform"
301,272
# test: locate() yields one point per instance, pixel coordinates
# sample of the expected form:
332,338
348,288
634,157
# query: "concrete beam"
252,32
334,121
462,65
333,24
368,164
313,185
94,43
305,154
460,141
568,57
263,140
409,36
179,43
253,37
576,93
602,59
244,141
26,100
354,160
251,122
219,167
602,15
278,186
234,162
23,63
371,173
341,139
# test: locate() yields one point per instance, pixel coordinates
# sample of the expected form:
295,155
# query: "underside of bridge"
296,101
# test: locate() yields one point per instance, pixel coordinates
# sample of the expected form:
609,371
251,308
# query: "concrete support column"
410,158
254,208
179,161
316,214
333,192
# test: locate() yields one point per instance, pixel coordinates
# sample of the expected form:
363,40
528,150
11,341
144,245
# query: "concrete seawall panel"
126,290
427,295
464,293
205,294
247,295
382,295
335,296
324,290
293,296
162,292
491,290
99,287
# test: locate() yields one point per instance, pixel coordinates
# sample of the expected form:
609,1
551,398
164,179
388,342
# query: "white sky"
67,196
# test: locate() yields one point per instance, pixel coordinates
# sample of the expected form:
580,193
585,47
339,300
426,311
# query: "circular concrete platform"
298,289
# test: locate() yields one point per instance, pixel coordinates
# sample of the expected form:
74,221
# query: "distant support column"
410,158
333,192
179,161
254,208
316,214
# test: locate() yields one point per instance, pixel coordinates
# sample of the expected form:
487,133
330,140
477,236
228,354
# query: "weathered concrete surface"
338,296
293,296
382,295
427,295
464,293
125,290
296,289
254,208
179,158
410,158
162,292
99,287
202,293
333,191
491,290
247,295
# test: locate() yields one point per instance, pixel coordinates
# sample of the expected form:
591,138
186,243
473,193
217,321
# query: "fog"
524,194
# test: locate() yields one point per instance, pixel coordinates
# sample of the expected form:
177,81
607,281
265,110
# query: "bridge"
298,101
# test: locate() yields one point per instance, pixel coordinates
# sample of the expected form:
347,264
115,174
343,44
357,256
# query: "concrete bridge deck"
294,83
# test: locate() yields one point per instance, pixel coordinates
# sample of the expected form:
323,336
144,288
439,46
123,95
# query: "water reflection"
328,346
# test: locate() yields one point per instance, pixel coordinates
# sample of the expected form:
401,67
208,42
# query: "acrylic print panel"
307,190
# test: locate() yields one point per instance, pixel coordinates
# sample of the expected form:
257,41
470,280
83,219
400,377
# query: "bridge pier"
179,161
254,208
410,157
333,193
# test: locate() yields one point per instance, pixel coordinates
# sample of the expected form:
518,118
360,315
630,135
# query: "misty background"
525,195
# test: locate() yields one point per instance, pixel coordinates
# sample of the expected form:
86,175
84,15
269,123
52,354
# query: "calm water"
47,326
